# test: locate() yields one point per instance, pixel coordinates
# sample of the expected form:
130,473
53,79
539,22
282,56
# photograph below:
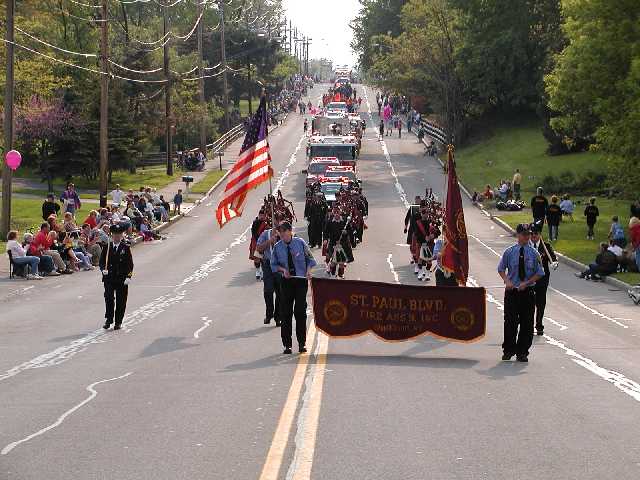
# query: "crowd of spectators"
66,243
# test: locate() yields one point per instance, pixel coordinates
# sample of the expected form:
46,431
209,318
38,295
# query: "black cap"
117,228
284,226
523,228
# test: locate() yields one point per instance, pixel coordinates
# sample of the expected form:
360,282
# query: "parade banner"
347,308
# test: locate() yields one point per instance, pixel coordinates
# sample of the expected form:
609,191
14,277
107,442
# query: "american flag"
252,168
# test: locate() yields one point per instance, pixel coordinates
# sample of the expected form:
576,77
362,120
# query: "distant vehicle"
342,150
337,107
329,189
342,173
318,167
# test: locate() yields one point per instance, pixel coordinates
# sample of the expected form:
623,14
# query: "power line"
54,46
80,66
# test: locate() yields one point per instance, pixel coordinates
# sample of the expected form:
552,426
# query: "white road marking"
568,297
621,382
588,308
149,310
62,417
207,323
393,270
385,151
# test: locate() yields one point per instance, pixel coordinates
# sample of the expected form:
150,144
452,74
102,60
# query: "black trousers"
518,321
120,291
294,303
442,281
271,288
541,300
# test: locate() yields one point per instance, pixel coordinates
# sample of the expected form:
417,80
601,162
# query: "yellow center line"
307,448
273,462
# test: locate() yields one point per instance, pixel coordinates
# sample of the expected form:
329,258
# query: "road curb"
561,257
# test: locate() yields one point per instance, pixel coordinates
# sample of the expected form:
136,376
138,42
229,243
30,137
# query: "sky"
327,23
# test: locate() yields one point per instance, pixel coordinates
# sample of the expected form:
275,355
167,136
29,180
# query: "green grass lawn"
519,146
207,182
152,176
244,106
523,146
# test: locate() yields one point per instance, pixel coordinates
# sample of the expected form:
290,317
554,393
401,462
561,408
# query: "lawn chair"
14,269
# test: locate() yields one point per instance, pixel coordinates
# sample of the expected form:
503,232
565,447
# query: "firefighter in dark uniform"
548,257
520,267
116,265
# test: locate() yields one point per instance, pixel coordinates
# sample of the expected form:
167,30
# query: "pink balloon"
13,159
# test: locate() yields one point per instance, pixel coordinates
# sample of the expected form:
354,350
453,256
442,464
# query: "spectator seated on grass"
72,240
20,258
46,267
69,224
50,206
92,219
89,241
488,193
567,207
54,226
43,244
606,263
133,215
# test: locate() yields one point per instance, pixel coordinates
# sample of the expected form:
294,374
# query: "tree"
593,88
41,126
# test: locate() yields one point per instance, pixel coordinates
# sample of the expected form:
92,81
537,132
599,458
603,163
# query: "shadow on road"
425,362
503,370
274,360
165,345
247,334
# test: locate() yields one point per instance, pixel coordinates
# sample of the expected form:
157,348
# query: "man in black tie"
520,268
549,259
116,265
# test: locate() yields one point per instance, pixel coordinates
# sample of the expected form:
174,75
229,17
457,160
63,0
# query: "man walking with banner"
252,168
454,257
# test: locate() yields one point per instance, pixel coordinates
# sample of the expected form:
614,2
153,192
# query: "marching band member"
271,281
315,211
338,244
257,227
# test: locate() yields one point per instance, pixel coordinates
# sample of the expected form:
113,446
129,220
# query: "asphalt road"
195,386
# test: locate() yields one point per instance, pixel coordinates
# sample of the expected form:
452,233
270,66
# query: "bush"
588,183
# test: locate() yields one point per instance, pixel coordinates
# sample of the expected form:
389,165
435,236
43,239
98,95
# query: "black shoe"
302,349
287,351
278,323
117,326
507,356
106,325
540,332
522,358
267,320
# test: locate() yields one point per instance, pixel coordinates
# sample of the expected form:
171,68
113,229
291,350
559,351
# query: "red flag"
252,168
455,254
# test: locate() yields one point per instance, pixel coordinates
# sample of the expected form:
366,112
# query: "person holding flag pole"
454,255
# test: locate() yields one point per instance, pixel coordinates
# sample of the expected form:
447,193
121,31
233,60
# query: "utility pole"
225,82
8,124
290,38
203,103
104,105
167,94
306,57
